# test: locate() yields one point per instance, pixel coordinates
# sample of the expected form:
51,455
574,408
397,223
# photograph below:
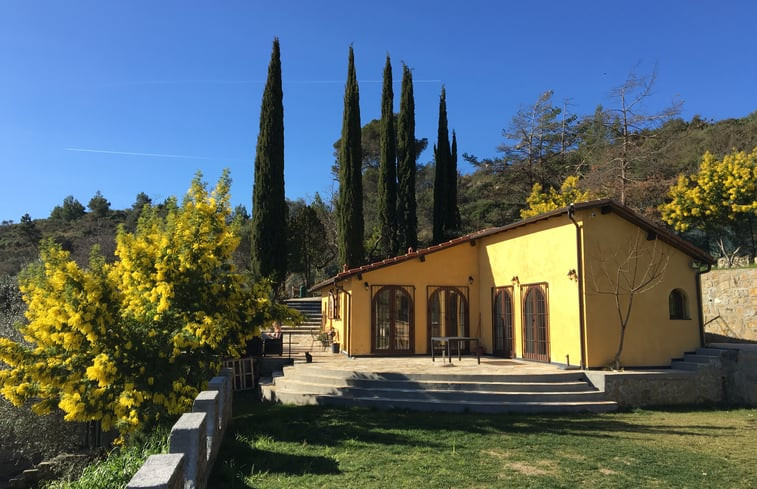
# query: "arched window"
678,305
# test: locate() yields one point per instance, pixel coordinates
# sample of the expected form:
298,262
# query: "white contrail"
152,155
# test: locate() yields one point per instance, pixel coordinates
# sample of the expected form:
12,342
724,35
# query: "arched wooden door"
447,313
502,322
535,324
392,321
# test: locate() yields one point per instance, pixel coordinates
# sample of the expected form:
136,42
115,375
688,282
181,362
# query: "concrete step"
458,406
430,385
701,359
684,365
334,373
482,396
714,352
546,392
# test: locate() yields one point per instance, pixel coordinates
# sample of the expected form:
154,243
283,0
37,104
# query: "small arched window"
678,305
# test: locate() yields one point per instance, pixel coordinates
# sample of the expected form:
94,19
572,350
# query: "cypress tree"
441,174
407,219
269,236
453,213
387,184
350,203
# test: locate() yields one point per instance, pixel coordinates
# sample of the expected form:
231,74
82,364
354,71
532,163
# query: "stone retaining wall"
732,379
194,442
729,301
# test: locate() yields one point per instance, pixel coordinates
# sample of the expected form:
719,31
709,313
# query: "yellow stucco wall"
652,338
540,253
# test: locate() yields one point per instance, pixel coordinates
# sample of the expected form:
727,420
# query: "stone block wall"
729,302
193,444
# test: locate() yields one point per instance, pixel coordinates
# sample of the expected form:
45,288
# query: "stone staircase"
701,358
303,384
301,336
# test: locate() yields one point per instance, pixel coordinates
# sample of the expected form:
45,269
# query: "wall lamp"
470,279
572,274
515,280
365,284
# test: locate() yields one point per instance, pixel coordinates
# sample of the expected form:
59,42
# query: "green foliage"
453,212
269,237
407,154
308,245
71,210
132,342
117,469
445,180
350,203
99,205
387,184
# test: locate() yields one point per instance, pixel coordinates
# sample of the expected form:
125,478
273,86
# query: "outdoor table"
459,340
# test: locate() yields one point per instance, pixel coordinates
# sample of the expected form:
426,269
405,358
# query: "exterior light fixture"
515,280
365,284
470,279
572,274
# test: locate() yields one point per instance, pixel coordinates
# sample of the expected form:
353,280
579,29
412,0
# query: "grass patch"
117,469
276,446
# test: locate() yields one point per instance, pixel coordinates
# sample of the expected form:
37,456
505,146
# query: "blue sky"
137,96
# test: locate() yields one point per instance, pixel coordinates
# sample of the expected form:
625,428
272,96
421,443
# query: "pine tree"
407,219
350,203
269,237
387,184
442,158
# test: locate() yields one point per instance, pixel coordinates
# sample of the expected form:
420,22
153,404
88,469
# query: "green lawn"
270,446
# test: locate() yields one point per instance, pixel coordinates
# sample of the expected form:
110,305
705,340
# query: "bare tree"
626,274
628,134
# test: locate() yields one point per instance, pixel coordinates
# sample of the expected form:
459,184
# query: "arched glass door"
503,322
392,321
447,313
535,324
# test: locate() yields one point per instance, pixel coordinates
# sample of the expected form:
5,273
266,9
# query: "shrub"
131,343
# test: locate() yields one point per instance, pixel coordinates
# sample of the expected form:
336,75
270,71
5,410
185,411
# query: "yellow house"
553,288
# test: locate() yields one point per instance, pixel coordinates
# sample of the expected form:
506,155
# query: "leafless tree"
627,273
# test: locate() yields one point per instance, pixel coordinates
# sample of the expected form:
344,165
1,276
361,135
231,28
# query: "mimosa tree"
129,343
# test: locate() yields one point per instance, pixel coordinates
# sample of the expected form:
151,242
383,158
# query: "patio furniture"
446,341
273,346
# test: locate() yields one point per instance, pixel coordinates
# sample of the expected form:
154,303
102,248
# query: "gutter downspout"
700,308
579,278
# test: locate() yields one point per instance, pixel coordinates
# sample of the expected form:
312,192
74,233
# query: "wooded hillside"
551,147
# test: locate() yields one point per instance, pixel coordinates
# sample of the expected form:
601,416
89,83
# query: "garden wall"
194,442
729,301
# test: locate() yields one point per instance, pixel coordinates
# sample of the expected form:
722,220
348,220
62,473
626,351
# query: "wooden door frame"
543,289
435,289
510,352
375,291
